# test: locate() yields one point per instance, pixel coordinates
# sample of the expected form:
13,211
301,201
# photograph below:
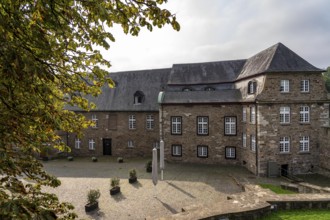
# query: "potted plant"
120,160
132,176
92,200
115,188
70,158
149,166
94,159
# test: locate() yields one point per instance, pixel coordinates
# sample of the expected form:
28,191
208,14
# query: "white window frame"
230,125
252,114
150,122
285,86
77,143
284,144
176,125
131,122
91,144
253,142
244,115
95,121
230,152
304,85
176,150
130,144
285,115
202,125
202,151
304,114
304,144
244,139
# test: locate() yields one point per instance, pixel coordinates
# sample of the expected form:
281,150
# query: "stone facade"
113,129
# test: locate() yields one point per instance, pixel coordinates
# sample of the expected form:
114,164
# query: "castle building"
267,113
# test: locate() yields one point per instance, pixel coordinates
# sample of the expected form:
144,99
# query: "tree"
326,77
48,60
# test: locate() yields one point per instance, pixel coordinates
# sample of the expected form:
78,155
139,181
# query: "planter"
149,169
91,206
132,179
115,190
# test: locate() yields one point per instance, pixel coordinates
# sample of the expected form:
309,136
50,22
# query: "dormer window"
186,89
138,97
209,89
252,87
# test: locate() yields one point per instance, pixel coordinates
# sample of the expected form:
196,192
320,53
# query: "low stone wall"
293,205
305,188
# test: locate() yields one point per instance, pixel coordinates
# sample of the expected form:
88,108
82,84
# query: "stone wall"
216,140
324,167
114,126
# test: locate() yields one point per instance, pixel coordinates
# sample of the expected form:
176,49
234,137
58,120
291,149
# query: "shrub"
94,159
132,173
114,182
93,195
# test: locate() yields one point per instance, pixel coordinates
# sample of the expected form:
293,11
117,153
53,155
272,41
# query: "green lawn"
276,189
299,215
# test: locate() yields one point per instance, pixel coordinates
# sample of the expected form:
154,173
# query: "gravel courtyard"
183,185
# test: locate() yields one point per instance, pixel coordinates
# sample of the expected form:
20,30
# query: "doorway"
107,146
284,169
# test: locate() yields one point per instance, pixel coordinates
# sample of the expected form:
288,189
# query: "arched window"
138,97
252,87
186,89
209,89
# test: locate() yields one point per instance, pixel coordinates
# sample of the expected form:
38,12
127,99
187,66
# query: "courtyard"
184,185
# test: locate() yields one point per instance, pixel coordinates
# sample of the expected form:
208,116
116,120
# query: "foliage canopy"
48,60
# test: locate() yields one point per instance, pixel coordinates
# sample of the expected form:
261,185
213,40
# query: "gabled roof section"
205,73
121,98
277,58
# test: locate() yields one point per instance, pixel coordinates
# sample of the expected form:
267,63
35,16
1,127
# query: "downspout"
256,136
160,101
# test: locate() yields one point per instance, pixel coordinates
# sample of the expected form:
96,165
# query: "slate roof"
277,58
205,73
217,96
121,98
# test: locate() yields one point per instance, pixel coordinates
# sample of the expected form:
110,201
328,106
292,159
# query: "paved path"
199,189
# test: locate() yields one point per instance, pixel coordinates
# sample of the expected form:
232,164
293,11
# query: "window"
252,114
209,89
230,152
156,145
130,144
176,125
77,143
285,115
230,125
131,122
304,86
304,114
284,144
138,97
304,144
202,125
252,86
244,139
285,86
202,151
150,122
244,114
91,144
95,121
253,142
176,150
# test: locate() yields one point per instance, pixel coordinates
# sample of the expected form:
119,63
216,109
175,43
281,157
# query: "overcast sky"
214,30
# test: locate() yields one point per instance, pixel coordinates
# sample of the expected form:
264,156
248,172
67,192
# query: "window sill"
202,134
304,123
285,92
285,124
230,158
230,134
285,153
202,156
304,152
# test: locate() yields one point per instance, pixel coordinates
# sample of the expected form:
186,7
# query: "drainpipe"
257,145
